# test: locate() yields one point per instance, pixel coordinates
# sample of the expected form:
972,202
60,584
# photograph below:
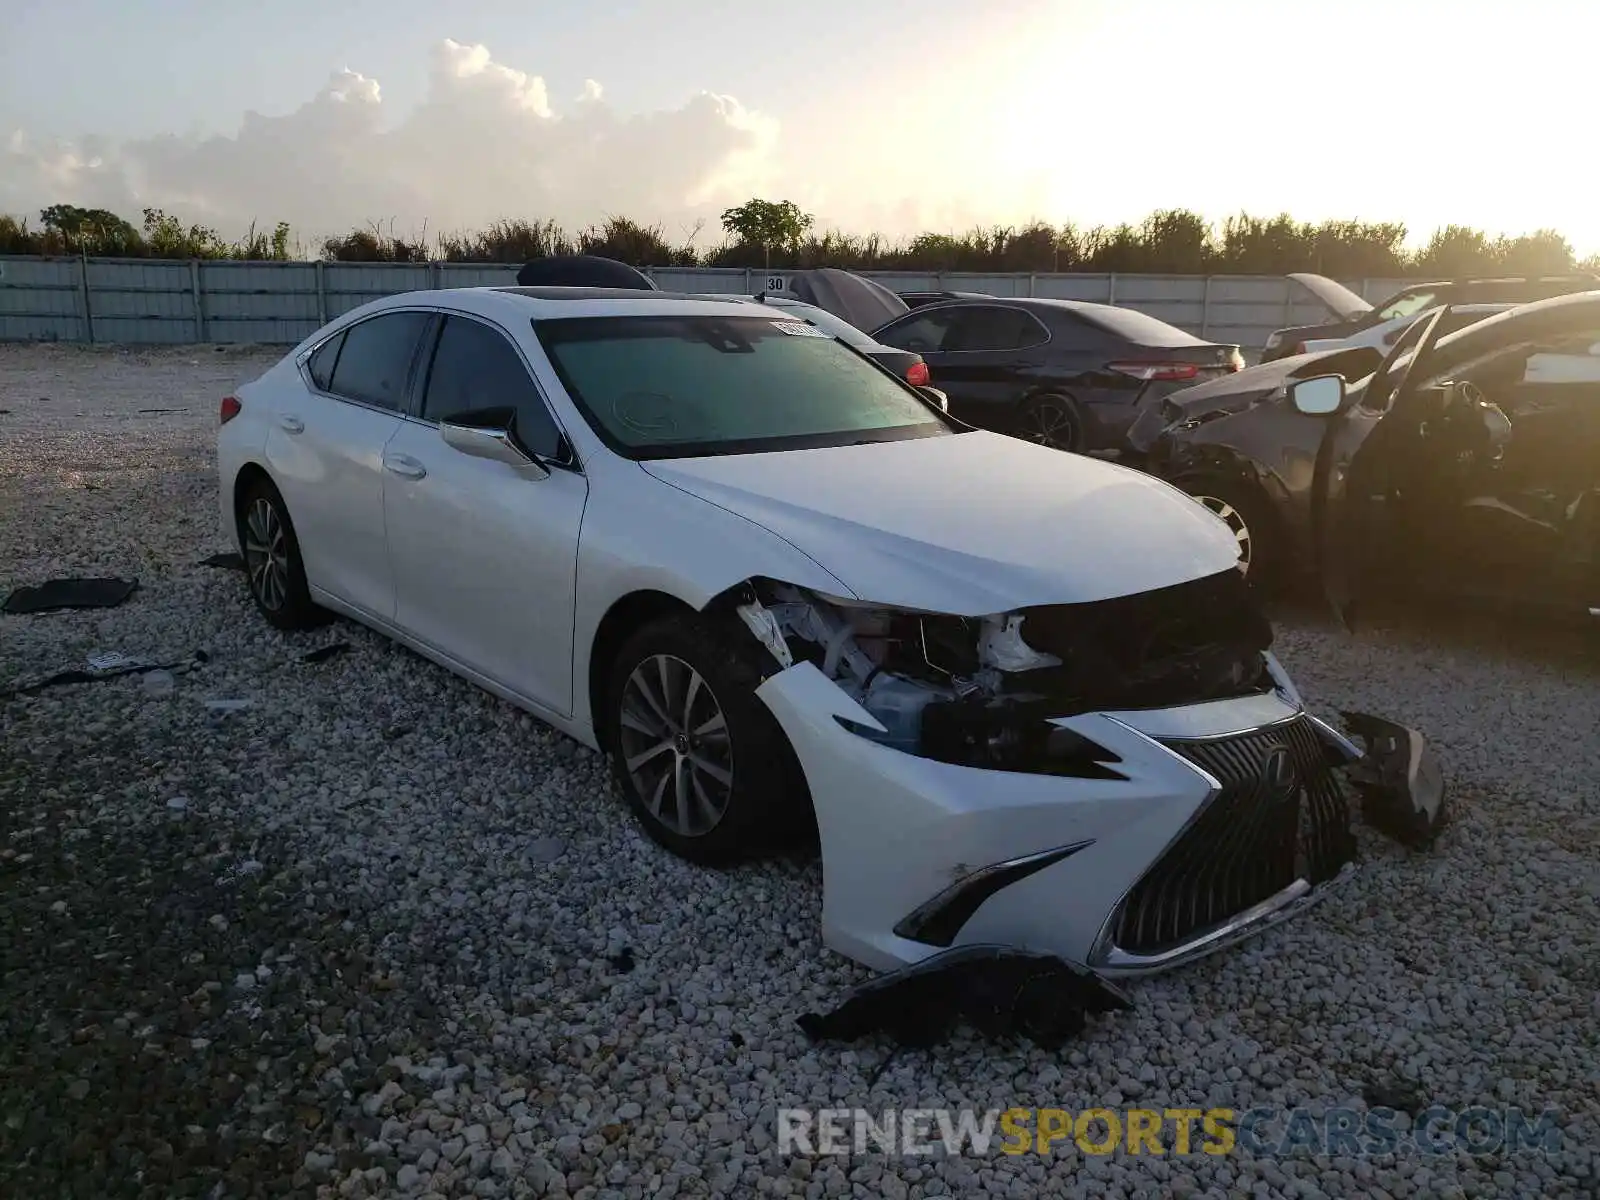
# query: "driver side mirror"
1319,397
491,436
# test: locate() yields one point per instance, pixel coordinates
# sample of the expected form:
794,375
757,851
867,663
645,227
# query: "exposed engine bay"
980,691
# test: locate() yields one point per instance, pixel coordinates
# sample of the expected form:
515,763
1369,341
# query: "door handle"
404,466
292,424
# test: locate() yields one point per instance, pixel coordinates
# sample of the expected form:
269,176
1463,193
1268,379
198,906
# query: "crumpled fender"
1399,778
999,990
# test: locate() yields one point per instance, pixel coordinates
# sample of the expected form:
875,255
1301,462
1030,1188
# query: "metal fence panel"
41,299
143,300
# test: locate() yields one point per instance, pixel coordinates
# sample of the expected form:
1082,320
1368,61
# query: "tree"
91,230
767,223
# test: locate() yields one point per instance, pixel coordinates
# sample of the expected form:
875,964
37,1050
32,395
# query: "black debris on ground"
56,595
323,653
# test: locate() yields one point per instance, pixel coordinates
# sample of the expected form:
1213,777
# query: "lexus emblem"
1280,784
1278,777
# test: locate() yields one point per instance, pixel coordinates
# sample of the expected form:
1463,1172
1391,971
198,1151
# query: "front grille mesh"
1244,846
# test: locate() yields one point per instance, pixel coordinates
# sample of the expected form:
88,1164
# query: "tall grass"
1171,241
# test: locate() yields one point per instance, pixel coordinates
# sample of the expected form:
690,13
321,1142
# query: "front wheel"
703,763
1249,517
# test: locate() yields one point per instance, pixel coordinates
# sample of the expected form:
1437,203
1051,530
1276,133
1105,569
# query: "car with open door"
1357,321
1237,445
1470,466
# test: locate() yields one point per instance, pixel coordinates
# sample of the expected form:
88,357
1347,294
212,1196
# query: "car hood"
1238,391
1340,300
970,524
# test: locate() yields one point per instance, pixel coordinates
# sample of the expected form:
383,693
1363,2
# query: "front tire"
1249,515
703,763
272,562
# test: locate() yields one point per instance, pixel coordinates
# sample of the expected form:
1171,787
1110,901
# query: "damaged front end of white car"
1015,809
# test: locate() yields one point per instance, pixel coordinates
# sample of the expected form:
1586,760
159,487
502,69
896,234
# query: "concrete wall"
144,300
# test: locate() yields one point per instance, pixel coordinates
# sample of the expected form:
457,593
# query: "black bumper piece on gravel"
998,990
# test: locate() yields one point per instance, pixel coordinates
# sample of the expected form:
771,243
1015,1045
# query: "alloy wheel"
1234,520
675,745
1048,423
266,554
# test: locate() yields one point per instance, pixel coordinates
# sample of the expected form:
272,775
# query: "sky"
894,116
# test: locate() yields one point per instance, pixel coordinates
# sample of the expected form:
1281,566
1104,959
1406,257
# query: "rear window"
681,386
1133,326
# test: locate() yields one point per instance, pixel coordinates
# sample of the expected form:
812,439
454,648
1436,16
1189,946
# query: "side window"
1573,359
476,367
376,359
921,332
320,365
981,327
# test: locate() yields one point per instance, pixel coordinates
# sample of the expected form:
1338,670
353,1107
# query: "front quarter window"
683,386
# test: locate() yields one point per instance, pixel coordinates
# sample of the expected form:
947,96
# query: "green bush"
777,234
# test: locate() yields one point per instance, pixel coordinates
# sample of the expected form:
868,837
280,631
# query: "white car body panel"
945,821
507,579
484,561
932,523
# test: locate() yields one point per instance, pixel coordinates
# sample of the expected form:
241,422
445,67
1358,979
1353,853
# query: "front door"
485,554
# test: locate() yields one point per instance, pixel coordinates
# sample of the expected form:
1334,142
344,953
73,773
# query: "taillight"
917,374
1155,371
1236,362
230,409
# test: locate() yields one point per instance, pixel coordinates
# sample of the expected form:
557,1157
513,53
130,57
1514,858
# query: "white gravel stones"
467,1032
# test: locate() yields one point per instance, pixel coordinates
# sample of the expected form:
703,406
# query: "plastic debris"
57,595
324,653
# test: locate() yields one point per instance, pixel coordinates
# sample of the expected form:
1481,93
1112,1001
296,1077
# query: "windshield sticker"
799,329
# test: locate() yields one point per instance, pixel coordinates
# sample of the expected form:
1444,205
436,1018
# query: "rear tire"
274,570
1051,420
703,763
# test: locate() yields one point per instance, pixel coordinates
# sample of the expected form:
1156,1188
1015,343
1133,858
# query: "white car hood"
972,524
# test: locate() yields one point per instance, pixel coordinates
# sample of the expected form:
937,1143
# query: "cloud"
484,144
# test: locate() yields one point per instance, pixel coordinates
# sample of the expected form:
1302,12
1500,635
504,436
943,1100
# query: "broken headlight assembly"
988,691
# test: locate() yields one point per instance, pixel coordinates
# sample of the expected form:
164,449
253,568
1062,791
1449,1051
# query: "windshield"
1407,304
684,386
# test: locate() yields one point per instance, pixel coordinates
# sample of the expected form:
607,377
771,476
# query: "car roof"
550,303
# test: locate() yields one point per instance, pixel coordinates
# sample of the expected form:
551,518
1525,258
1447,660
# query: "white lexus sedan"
1019,697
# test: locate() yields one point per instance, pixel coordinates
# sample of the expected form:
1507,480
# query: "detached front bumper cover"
1398,776
1000,991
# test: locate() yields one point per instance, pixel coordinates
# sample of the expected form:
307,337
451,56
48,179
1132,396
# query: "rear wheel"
272,562
1051,420
703,764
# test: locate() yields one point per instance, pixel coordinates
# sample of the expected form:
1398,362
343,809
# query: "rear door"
983,356
485,554
325,452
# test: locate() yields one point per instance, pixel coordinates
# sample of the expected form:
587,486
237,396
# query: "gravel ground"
366,936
